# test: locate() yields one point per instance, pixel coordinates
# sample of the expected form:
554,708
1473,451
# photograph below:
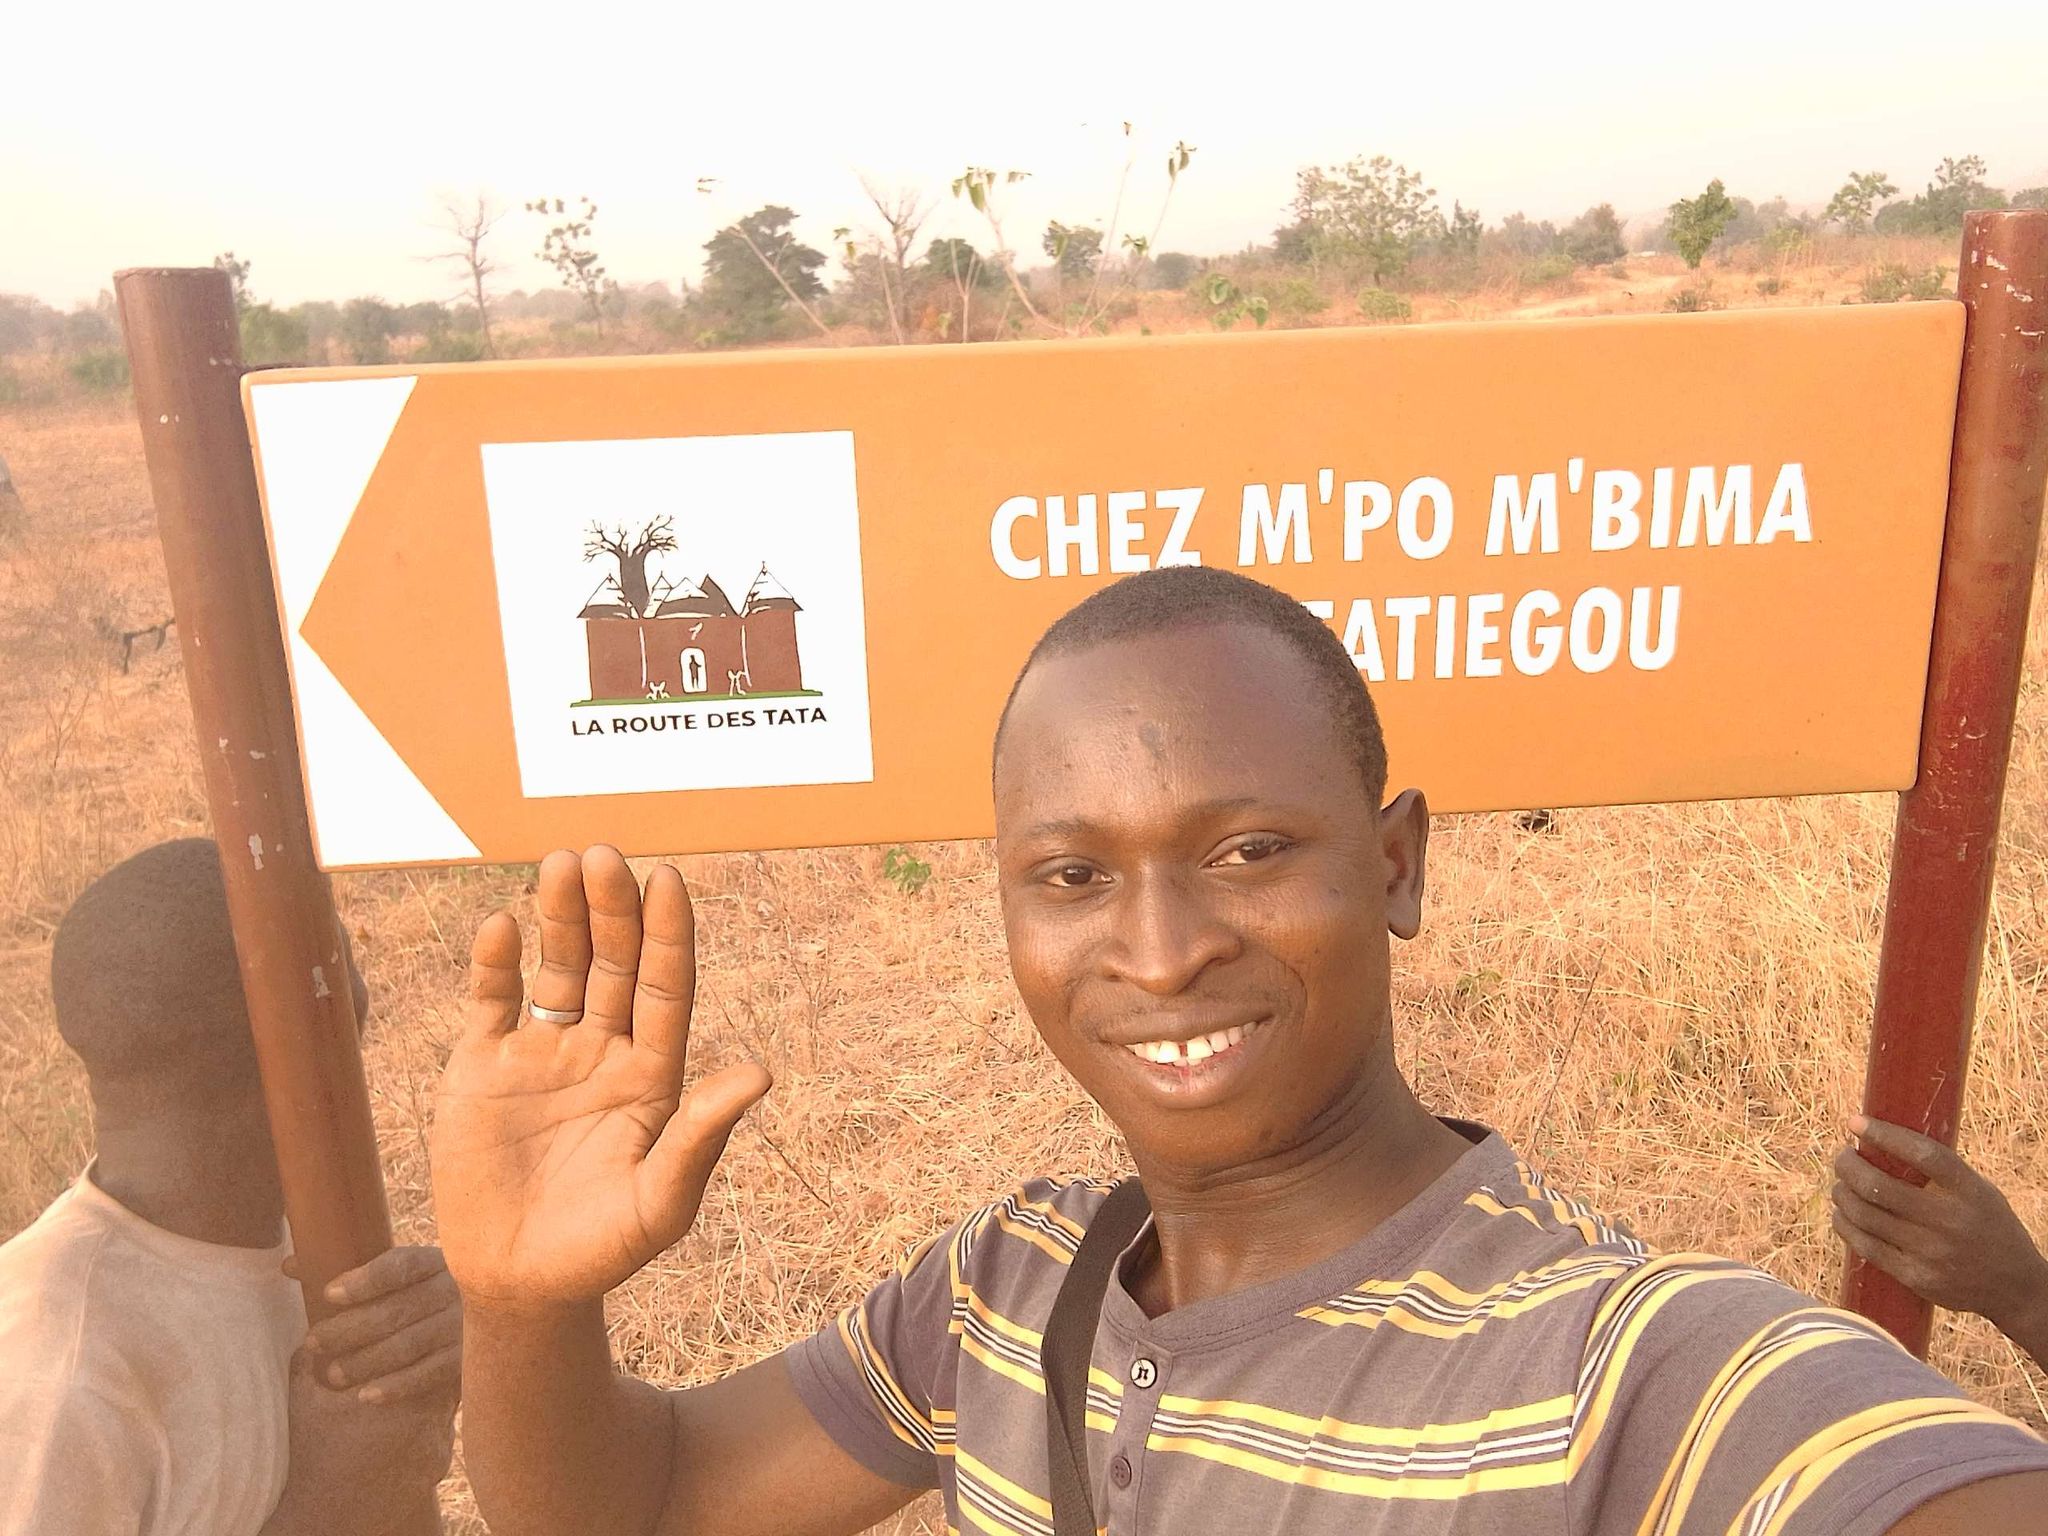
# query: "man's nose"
1164,934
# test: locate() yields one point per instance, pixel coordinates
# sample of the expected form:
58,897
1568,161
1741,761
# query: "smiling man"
1344,1313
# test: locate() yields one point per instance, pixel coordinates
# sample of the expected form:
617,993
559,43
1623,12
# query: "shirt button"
1143,1373
1120,1471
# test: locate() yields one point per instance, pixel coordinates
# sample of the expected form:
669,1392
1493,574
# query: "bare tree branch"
470,226
904,213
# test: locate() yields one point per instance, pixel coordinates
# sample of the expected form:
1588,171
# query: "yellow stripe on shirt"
1664,1280
1825,1453
1540,1474
1576,1272
1746,1370
1519,1416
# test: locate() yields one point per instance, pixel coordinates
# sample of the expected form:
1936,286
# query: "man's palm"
567,1155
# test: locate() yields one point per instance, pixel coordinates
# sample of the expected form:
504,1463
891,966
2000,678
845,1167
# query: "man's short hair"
143,973
1191,596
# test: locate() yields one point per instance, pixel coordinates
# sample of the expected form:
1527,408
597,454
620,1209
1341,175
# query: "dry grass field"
1665,1007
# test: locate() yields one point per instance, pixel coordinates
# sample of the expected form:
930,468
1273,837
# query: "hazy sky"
320,141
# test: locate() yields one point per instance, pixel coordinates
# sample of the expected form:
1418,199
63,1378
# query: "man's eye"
1250,850
1071,876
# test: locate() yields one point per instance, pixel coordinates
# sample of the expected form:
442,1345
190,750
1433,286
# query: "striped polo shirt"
1492,1360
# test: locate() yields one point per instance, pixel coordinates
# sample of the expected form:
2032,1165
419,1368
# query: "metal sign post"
185,351
1945,847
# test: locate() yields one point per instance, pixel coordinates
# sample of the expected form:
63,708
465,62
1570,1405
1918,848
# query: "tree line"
1370,229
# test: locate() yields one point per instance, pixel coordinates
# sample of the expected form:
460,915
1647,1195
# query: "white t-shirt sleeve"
73,1463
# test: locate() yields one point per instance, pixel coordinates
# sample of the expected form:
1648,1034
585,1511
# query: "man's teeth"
1187,1053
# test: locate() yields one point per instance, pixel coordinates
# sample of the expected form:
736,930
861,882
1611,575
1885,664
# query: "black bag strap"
1069,1346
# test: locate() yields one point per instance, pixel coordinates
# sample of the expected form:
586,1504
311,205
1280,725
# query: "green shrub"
452,347
905,870
1692,301
1298,296
103,371
1378,304
272,335
1551,267
1895,281
1769,285
1786,239
11,390
1229,304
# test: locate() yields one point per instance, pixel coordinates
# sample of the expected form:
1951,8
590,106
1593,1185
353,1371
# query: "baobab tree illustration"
631,555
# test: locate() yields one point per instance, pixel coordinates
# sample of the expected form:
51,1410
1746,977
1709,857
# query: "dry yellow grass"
1665,1006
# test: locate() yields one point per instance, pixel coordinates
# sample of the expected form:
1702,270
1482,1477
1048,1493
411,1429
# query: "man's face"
1197,890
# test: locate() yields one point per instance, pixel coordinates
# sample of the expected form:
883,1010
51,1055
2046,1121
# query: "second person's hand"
1953,1240
567,1154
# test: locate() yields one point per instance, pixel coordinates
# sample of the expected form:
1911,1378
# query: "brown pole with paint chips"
185,351
1946,841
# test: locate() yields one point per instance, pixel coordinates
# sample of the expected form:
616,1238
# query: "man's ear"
1404,839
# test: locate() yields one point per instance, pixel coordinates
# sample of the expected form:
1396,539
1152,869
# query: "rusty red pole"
1946,840
185,352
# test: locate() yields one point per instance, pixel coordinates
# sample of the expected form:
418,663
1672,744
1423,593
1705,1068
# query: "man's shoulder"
1693,1302
1515,1206
47,1277
70,1396
84,1308
1039,1222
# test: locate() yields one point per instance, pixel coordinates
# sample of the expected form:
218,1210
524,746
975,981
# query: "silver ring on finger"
554,1015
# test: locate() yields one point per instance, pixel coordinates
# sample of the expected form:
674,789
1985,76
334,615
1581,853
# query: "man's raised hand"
566,1155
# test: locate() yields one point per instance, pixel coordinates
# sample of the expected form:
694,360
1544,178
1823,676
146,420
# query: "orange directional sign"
776,599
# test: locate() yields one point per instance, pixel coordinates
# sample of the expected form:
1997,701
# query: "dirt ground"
1665,1007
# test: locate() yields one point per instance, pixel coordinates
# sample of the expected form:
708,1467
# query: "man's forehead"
1203,693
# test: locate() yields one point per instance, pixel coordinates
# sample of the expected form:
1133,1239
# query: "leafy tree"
1958,187
570,249
425,319
1294,244
755,268
89,327
952,275
1075,250
1854,204
1462,235
367,326
2030,197
1754,223
957,261
1524,239
1697,222
273,335
1174,269
238,278
269,334
1365,216
23,322
1594,238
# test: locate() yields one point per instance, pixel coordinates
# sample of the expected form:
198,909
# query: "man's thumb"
679,1163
